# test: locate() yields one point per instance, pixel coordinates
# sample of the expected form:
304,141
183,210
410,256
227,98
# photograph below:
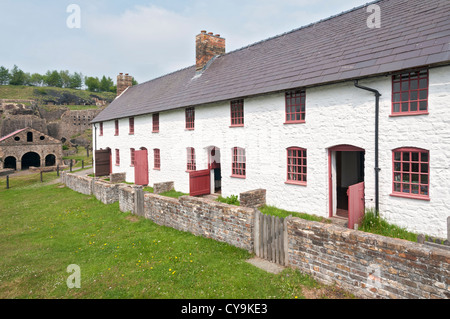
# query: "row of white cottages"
306,145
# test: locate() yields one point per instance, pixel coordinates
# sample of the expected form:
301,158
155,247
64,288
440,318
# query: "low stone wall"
106,192
80,184
117,177
159,188
126,198
368,265
254,199
202,217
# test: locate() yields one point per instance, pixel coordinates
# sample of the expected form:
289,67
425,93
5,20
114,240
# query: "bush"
231,200
373,223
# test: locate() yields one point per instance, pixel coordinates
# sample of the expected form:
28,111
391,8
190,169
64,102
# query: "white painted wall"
335,114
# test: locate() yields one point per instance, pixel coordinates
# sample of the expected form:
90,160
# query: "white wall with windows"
335,115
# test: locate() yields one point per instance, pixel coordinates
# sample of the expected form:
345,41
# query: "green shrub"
373,223
231,200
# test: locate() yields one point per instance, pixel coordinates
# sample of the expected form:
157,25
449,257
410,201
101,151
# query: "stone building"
28,147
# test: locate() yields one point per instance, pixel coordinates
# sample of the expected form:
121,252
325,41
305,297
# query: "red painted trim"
330,185
421,197
346,148
409,78
408,114
237,113
295,122
295,183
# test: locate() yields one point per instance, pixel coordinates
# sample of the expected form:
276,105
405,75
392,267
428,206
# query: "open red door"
199,182
356,204
141,167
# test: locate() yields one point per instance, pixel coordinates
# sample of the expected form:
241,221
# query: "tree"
53,79
36,79
106,84
17,76
76,81
4,76
65,78
93,84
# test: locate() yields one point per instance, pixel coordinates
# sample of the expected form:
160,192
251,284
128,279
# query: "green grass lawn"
80,156
45,227
272,210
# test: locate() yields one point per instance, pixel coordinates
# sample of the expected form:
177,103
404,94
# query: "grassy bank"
46,228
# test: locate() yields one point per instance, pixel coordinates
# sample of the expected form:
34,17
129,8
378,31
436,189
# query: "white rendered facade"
337,114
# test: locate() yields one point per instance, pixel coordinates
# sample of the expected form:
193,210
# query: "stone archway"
31,159
10,162
50,160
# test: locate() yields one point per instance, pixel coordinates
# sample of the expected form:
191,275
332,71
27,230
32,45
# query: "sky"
146,39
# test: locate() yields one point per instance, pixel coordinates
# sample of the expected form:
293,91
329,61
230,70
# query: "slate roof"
413,33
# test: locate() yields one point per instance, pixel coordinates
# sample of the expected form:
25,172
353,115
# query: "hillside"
64,114
55,96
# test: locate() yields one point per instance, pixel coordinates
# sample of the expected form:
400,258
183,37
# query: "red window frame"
155,119
117,157
238,167
132,156
101,129
296,172
237,113
190,118
410,93
295,106
156,158
116,125
191,163
411,173
131,124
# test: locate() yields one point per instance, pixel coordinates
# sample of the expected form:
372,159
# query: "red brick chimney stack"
207,46
123,82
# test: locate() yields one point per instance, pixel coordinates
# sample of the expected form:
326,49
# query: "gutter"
377,113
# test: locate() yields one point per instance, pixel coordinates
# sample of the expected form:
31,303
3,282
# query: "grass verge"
46,228
272,210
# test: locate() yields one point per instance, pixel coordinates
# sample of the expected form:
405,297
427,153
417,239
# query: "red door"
355,204
199,183
141,167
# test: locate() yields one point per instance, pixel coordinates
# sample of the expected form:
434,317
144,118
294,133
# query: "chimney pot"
208,46
210,33
203,31
217,35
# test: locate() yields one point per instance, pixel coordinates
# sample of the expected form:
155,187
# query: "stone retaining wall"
254,199
368,265
203,217
159,188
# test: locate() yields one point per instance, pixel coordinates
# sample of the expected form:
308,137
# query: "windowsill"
131,165
238,176
420,197
237,125
155,131
189,129
295,122
190,170
295,183
408,114
116,134
156,169
130,133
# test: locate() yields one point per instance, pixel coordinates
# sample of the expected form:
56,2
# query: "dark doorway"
349,171
30,137
31,159
214,165
50,160
10,162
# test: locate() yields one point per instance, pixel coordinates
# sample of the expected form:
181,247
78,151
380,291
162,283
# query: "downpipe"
377,169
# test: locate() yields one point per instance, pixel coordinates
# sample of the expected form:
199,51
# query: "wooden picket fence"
270,238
